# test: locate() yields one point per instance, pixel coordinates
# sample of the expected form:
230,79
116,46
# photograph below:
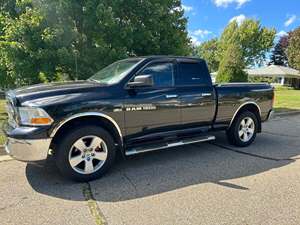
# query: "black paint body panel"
145,111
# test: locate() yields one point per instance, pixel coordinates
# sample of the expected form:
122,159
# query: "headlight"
34,116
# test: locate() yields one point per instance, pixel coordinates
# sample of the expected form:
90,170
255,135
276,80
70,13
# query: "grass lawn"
286,99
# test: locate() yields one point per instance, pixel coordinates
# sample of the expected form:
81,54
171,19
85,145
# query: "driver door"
156,108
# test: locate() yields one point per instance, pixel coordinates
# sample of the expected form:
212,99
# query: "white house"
281,75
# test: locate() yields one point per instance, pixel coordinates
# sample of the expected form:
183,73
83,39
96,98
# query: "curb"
5,158
2,150
288,113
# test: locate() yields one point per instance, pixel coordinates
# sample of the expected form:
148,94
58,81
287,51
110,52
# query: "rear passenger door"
195,92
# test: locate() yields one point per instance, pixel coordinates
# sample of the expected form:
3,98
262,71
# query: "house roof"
274,70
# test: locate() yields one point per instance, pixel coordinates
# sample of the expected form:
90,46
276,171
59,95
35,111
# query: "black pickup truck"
132,106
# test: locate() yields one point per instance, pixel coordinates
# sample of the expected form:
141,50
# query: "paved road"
209,183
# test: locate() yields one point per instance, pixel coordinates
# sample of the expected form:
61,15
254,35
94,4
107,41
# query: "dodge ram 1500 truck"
132,106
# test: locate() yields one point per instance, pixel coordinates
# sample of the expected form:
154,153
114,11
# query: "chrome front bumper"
28,149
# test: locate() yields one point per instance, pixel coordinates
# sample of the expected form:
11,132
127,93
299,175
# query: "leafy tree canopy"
279,56
232,66
249,39
253,39
50,40
209,51
293,50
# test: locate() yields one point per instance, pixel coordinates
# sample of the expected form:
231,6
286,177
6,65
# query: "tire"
85,153
243,129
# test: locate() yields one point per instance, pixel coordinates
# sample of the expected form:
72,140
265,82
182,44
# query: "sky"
208,18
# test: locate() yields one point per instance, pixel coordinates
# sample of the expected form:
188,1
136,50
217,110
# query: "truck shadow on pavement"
164,171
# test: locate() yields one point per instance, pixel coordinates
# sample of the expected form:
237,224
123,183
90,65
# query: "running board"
165,145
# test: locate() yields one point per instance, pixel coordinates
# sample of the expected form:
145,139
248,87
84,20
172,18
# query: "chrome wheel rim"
88,154
246,129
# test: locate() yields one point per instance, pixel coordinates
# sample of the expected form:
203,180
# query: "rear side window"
193,73
162,73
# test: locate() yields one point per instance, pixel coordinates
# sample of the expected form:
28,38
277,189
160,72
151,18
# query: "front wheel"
85,153
243,130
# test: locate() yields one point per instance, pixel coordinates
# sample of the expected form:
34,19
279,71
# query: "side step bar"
165,145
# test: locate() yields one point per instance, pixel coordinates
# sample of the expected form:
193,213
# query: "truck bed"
232,96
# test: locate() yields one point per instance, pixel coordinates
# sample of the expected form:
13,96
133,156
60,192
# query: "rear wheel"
85,153
243,129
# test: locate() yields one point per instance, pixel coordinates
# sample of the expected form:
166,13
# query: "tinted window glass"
192,74
162,73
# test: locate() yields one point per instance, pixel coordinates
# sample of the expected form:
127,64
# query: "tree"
232,66
279,56
208,50
241,46
250,39
44,40
293,50
253,39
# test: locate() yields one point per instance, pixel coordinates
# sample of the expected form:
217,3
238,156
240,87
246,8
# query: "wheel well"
251,107
87,120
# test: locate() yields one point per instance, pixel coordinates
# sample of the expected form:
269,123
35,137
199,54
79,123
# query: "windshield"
115,72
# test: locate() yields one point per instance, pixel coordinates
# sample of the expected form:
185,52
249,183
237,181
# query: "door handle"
171,96
206,94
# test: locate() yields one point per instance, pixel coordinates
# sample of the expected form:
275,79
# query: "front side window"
162,73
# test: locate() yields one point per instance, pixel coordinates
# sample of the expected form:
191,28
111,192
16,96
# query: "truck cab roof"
153,57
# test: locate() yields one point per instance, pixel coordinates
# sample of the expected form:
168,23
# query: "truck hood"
39,91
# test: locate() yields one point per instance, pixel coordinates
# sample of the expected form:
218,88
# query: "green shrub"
256,79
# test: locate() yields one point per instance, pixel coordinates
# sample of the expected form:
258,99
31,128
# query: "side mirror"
141,81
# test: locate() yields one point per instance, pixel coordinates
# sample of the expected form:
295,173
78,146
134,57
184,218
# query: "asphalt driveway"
208,183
